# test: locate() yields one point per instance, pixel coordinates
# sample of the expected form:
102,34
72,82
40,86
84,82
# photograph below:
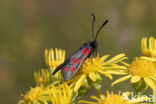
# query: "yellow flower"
90,68
139,69
53,94
42,77
35,96
60,94
112,98
54,59
93,67
149,51
143,68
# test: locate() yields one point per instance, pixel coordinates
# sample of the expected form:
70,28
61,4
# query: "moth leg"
91,56
95,53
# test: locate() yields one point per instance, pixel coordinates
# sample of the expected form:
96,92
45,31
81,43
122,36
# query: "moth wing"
74,62
58,68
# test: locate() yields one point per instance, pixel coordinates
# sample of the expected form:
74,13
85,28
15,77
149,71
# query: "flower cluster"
142,70
53,89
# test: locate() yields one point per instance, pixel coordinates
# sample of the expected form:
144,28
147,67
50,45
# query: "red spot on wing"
72,69
86,51
74,60
79,60
66,69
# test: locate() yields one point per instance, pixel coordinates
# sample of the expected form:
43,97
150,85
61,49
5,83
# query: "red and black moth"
72,64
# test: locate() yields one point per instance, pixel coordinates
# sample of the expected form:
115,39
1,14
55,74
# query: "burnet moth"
72,64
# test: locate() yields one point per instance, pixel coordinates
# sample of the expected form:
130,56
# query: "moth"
72,64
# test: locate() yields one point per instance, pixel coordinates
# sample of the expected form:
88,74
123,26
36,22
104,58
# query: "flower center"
91,65
113,99
33,94
142,68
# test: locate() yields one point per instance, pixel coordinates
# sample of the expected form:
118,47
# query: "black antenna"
93,25
101,28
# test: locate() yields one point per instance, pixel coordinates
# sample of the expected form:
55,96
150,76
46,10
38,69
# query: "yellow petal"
153,78
63,54
116,58
92,76
127,93
148,58
98,76
105,74
51,52
125,63
116,72
135,79
108,75
151,83
119,60
45,102
144,45
86,102
79,82
95,98
104,57
57,56
121,79
151,40
46,56
115,66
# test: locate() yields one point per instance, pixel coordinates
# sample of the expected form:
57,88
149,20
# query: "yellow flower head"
60,94
54,94
33,94
53,59
139,69
111,98
42,77
93,67
142,68
36,95
151,49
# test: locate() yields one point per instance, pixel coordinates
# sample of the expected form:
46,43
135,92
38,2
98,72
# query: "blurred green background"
27,27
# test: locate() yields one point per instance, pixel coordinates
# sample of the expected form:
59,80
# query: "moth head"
94,44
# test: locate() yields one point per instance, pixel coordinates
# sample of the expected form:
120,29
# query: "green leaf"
83,91
96,85
140,86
